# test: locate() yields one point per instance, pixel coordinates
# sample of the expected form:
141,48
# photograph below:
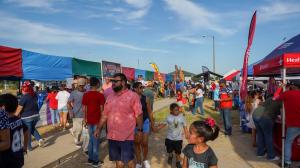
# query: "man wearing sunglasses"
123,112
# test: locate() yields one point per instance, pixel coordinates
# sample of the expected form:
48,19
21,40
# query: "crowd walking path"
235,151
60,147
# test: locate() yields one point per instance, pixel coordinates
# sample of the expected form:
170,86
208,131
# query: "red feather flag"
243,89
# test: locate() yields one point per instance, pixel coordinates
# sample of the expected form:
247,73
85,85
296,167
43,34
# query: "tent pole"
283,119
253,79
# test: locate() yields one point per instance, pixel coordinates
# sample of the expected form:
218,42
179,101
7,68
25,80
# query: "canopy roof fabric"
10,62
286,55
231,75
129,72
86,68
211,73
149,75
43,67
169,77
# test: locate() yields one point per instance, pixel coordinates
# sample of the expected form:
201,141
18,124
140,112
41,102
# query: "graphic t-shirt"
175,127
203,160
13,157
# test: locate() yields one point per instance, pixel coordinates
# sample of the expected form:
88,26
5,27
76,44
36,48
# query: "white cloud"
278,10
141,8
32,3
139,3
182,38
137,14
16,29
38,4
197,16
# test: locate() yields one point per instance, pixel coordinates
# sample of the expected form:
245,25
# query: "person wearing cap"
225,94
75,110
28,110
291,103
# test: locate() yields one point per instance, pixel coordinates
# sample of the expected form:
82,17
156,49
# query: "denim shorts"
146,127
64,109
121,150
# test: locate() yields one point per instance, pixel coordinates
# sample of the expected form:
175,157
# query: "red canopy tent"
231,75
10,62
284,60
286,56
129,72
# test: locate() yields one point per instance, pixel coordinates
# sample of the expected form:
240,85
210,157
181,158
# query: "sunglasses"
115,81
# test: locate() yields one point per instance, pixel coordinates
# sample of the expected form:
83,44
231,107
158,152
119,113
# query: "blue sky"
166,32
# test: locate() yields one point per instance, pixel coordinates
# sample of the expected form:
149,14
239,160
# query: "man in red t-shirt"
290,99
53,105
93,102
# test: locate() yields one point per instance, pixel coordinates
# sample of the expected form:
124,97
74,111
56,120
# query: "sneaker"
147,164
41,143
96,164
178,165
286,165
274,159
170,158
138,166
261,156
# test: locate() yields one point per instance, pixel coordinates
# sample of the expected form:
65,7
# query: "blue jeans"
264,133
198,103
93,148
291,134
54,115
31,123
226,117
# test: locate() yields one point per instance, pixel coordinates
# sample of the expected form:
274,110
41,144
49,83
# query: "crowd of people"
264,108
123,113
121,110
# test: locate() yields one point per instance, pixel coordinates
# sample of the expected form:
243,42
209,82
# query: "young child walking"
19,135
198,154
176,126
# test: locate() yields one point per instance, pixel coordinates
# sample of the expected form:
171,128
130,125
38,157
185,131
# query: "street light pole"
214,56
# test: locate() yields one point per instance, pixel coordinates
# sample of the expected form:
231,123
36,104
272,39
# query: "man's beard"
117,88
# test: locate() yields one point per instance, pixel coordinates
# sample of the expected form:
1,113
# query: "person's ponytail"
215,133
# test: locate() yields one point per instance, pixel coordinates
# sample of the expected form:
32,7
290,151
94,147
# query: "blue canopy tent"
42,67
139,72
169,77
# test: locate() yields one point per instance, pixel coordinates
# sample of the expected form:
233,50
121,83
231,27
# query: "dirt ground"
235,151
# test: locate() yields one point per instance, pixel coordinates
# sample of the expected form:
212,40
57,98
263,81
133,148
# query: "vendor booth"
282,61
10,62
42,67
129,72
86,68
